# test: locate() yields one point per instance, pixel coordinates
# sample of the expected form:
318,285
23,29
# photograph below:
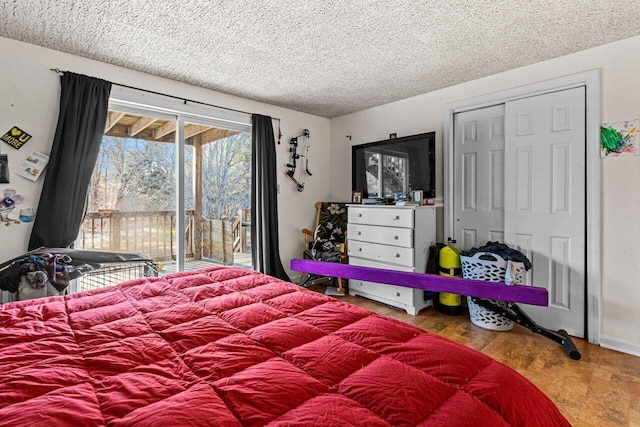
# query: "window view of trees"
139,175
226,176
132,200
134,175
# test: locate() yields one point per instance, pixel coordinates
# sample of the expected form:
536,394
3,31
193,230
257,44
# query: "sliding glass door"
175,187
222,194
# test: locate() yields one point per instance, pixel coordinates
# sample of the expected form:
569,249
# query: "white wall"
620,68
29,97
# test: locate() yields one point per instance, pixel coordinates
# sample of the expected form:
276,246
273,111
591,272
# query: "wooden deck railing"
242,228
153,233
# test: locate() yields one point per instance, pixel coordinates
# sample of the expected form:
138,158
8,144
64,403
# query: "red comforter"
228,347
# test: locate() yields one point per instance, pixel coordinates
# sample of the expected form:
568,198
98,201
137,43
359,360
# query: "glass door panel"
132,198
221,195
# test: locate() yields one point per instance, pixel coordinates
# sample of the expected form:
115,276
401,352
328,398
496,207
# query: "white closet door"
544,201
479,176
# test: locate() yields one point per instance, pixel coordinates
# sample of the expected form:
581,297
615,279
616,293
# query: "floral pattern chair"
327,241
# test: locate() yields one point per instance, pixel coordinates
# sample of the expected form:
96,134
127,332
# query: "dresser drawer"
398,294
389,217
383,253
385,235
375,264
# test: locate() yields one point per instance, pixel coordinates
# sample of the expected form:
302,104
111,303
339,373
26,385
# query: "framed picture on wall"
356,197
4,169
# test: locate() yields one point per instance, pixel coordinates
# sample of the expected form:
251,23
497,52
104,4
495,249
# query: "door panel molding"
469,182
559,271
591,81
496,164
524,179
560,178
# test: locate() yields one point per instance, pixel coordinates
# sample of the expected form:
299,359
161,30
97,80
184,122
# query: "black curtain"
84,102
264,204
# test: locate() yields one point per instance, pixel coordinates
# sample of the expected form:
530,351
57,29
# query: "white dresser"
393,238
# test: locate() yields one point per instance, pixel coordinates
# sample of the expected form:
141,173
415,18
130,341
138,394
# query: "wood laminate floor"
601,389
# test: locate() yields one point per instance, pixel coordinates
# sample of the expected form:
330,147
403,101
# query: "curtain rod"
56,70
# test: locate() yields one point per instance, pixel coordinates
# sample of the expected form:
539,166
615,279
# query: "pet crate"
112,274
86,269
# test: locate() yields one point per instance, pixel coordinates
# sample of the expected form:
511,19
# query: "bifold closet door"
544,200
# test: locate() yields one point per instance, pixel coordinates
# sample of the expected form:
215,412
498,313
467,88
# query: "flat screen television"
382,169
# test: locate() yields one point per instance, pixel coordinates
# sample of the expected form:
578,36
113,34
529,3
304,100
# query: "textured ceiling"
326,58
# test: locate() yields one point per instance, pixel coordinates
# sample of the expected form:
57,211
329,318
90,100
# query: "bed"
229,347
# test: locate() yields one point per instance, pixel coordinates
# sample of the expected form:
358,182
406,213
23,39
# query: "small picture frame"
4,169
356,197
418,196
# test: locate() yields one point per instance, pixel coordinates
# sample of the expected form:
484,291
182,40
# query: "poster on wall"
33,165
16,137
8,202
620,139
4,169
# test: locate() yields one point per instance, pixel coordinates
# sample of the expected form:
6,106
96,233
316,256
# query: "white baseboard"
620,345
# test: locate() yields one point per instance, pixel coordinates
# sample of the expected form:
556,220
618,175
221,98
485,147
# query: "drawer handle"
359,249
397,217
359,215
397,255
397,294
395,237
359,233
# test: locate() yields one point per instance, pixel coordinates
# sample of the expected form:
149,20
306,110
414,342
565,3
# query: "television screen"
384,168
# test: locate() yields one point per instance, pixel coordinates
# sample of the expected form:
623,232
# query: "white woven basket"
491,269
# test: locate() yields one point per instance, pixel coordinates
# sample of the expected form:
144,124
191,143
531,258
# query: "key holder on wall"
293,149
